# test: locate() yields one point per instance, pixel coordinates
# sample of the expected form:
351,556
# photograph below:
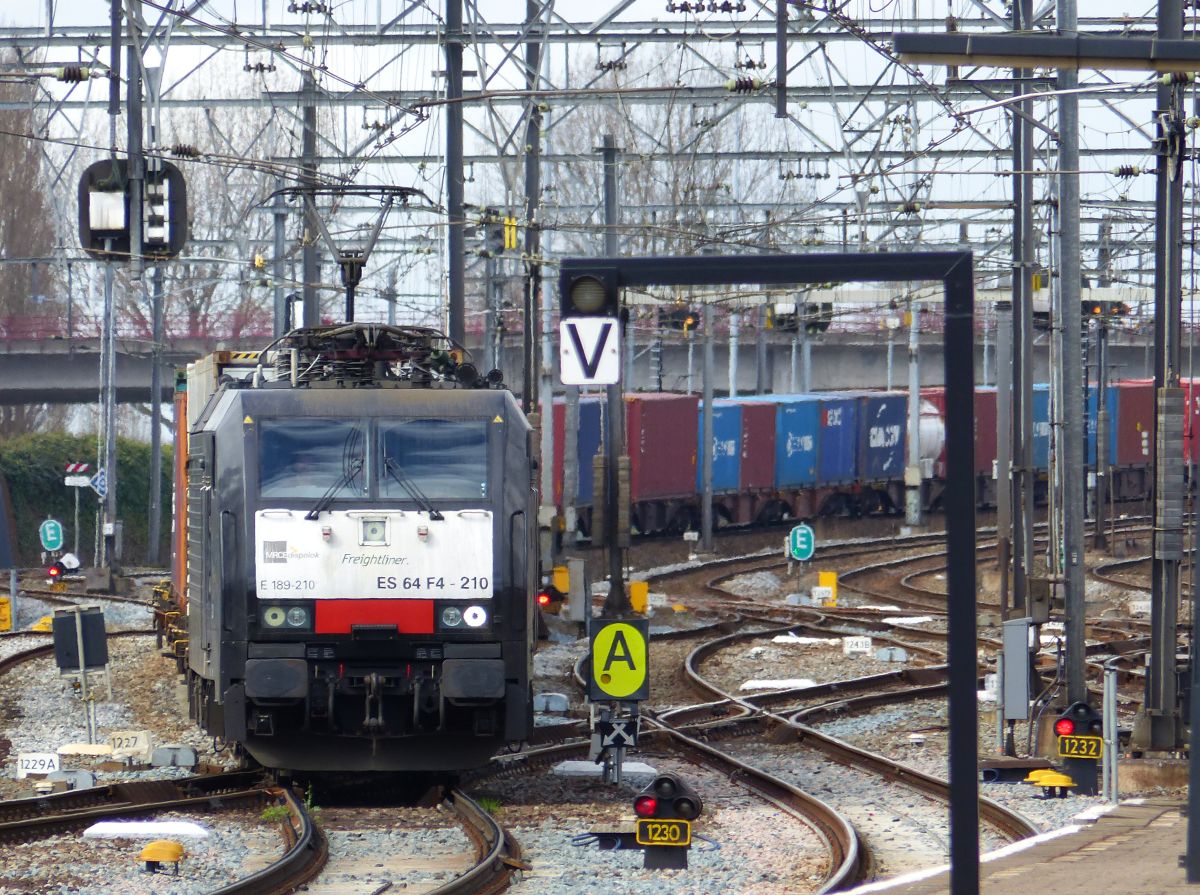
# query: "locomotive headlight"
475,616
274,616
373,532
297,617
452,617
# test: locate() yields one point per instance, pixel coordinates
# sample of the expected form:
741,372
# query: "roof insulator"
73,74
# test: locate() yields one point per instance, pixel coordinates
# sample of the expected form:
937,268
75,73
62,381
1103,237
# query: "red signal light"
543,599
1064,727
54,571
645,806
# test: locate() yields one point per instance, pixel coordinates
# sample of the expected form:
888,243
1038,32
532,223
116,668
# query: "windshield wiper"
411,489
327,498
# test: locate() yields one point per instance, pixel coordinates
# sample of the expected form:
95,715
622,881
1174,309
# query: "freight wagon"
796,456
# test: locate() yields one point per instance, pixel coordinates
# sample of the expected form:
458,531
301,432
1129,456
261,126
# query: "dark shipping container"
837,440
882,422
662,439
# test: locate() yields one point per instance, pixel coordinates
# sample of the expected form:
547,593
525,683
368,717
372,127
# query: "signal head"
668,797
593,292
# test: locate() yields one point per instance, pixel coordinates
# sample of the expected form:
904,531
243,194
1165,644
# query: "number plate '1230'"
1080,747
664,832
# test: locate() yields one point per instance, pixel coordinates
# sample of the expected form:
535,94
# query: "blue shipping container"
796,419
591,437
837,440
1112,404
881,426
1041,426
726,446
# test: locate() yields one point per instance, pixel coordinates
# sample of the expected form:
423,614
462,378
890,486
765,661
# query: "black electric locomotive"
361,558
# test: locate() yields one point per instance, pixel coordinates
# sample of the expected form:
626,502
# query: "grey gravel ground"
746,847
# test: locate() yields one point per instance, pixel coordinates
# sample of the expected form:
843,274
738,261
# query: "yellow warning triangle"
498,419
247,420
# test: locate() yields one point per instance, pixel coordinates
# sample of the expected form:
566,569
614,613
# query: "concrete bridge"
68,372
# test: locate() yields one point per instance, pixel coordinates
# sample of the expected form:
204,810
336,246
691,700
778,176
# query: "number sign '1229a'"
589,351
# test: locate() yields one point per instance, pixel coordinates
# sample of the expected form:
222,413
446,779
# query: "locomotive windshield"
309,457
444,459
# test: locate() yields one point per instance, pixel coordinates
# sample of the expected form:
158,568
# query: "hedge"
34,466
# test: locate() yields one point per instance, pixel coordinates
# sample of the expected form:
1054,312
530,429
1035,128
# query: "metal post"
108,426
734,327
792,360
310,264
570,484
1102,425
280,323
1000,724
455,212
762,384
546,396
490,313
891,351
1111,743
13,588
706,506
961,580
1157,728
533,182
912,474
1023,254
617,602
1070,453
805,363
629,350
691,346
1004,376
156,312
83,679
76,490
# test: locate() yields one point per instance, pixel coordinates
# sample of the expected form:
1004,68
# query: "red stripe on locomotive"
409,616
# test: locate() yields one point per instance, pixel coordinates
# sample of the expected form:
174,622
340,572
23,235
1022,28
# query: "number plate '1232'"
664,832
1080,747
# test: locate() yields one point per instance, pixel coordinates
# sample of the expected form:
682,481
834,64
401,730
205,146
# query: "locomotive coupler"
374,701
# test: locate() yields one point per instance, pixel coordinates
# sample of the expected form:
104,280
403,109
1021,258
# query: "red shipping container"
559,422
1191,419
1135,422
984,428
662,433
758,445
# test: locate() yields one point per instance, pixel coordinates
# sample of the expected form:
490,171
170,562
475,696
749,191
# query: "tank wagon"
361,567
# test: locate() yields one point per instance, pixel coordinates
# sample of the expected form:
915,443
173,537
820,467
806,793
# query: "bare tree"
30,304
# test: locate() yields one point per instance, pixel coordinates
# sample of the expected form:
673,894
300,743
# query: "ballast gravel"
68,864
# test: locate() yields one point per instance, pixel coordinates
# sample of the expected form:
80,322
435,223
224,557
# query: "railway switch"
665,810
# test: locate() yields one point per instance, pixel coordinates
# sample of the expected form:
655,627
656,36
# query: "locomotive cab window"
437,459
302,458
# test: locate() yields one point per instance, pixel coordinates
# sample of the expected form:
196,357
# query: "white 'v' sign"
589,351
